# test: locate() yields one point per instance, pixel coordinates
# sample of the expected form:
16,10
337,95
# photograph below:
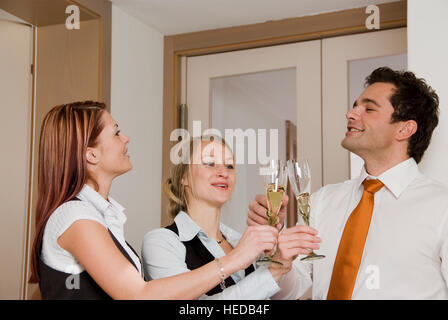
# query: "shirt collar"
116,204
188,228
102,205
397,178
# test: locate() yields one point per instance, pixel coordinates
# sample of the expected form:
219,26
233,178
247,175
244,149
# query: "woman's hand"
254,241
258,208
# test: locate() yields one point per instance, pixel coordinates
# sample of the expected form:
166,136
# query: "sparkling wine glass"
275,179
300,178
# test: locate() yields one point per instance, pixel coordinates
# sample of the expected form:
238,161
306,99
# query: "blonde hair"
173,187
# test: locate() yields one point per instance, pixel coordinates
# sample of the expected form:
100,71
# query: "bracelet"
222,284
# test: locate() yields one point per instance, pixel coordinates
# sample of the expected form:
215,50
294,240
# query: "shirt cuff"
267,281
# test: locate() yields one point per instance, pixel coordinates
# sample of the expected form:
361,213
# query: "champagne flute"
275,179
300,178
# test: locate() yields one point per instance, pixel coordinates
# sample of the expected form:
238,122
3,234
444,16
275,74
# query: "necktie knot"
372,186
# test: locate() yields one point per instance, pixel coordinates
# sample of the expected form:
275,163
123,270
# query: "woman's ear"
406,130
92,155
184,181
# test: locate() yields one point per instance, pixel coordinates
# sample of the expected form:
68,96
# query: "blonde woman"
197,189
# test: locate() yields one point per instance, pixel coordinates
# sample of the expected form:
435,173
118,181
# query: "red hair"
67,131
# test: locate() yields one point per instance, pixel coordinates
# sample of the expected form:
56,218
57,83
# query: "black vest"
53,285
197,255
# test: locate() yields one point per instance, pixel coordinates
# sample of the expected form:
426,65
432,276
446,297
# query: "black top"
197,255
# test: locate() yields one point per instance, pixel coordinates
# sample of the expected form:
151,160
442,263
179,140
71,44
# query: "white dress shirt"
163,255
406,250
92,206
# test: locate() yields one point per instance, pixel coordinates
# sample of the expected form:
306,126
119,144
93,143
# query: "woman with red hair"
79,250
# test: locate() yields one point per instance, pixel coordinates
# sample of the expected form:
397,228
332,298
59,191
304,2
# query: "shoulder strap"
122,250
173,227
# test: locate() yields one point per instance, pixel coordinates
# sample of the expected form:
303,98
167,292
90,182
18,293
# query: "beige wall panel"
16,42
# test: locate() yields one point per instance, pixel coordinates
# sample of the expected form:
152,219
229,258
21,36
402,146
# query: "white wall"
136,105
427,57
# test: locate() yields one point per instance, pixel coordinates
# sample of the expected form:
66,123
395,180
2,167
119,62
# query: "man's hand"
258,212
297,240
292,242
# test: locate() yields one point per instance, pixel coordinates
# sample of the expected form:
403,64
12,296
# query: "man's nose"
352,114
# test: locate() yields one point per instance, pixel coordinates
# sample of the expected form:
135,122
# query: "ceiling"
181,16
40,12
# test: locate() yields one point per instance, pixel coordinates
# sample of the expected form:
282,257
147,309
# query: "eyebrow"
367,100
213,156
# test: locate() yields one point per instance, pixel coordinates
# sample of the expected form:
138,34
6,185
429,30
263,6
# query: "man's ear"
92,155
406,130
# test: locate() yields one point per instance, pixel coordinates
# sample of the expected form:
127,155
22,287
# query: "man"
385,233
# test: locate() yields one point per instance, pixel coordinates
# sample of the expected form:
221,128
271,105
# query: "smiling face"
109,156
370,131
212,175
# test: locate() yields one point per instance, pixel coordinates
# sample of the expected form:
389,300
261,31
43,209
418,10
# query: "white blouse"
163,255
92,206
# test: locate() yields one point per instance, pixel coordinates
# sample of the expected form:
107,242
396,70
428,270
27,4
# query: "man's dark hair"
413,99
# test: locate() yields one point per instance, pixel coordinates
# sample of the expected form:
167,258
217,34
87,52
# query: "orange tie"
351,246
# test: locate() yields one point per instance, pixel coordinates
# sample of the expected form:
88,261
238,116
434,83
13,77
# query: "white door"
259,89
346,61
15,91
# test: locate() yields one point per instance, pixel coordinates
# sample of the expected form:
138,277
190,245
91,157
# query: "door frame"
351,21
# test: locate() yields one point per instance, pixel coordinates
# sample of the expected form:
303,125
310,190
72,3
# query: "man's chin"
356,149
348,146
